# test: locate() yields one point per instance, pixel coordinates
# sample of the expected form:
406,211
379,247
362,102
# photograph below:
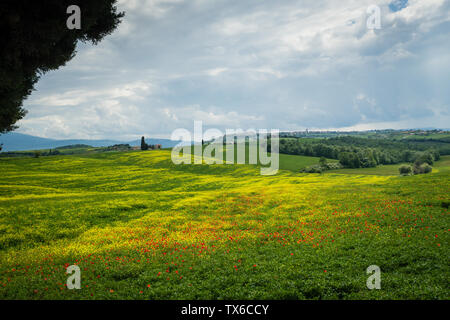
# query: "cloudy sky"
246,64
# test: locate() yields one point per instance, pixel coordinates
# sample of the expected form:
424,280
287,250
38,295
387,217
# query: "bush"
405,170
319,168
333,166
423,168
313,169
426,168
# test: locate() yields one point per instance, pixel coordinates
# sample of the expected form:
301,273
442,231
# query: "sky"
252,64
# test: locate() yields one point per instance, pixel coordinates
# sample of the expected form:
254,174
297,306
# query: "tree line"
354,152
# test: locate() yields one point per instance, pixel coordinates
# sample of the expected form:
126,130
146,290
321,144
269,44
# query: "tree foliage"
35,40
355,152
405,170
144,145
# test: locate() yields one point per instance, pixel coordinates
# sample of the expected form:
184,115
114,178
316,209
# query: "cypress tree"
144,146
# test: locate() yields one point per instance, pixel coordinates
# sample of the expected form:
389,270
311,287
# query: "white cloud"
132,91
216,71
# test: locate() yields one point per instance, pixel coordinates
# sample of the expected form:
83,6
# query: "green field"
140,227
296,163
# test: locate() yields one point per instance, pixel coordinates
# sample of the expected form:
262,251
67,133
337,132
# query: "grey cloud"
283,64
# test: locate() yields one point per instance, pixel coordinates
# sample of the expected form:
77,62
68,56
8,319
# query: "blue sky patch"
398,5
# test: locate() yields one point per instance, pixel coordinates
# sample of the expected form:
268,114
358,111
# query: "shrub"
405,170
319,168
333,166
313,169
426,168
423,168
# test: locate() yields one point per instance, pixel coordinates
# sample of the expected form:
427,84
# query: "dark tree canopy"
35,39
144,146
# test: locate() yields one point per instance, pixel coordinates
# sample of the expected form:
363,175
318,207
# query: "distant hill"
14,141
165,143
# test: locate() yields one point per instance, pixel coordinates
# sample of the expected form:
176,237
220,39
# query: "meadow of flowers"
140,227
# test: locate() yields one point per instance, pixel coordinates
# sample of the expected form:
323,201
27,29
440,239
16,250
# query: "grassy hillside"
140,227
296,163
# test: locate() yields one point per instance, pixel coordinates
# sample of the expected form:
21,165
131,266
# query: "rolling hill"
14,141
